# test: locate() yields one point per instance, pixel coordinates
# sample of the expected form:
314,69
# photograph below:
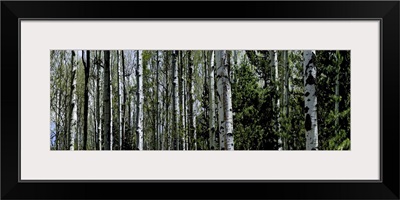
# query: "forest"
200,100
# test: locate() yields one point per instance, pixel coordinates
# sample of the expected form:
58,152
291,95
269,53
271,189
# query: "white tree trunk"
182,100
184,107
276,78
74,105
139,125
175,104
119,100
159,103
220,82
224,102
310,75
228,104
213,142
183,112
192,116
100,137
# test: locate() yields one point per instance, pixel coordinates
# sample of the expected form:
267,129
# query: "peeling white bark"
175,104
275,53
224,102
228,105
310,99
139,125
74,112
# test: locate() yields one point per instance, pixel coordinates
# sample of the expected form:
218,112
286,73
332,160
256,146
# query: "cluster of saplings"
200,100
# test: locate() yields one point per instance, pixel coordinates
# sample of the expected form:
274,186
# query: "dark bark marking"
308,122
306,94
306,109
310,80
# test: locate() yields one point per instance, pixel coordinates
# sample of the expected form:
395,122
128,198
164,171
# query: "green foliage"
253,126
333,126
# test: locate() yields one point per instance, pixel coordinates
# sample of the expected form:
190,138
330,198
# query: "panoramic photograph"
193,100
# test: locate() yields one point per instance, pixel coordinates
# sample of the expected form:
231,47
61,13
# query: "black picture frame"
386,11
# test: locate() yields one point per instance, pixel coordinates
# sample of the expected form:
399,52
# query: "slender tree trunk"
220,77
139,126
101,116
213,142
119,123
286,92
128,133
228,103
175,104
276,102
106,101
310,72
58,119
225,101
94,108
98,130
184,102
192,117
112,90
206,94
86,97
65,140
72,109
79,122
123,107
159,101
181,101
339,61
167,95
157,126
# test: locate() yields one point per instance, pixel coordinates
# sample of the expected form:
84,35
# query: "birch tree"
139,118
224,102
227,93
98,130
72,109
182,100
311,126
192,117
221,123
119,110
158,99
286,91
166,135
213,142
175,100
123,106
86,98
276,103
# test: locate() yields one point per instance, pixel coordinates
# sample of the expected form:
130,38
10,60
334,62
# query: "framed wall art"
200,99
